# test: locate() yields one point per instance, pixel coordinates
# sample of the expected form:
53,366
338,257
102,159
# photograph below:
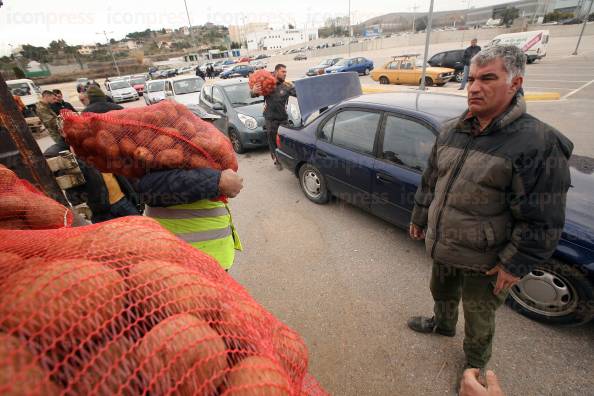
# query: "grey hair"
514,59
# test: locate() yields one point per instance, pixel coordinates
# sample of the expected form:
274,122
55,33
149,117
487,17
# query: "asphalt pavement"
348,281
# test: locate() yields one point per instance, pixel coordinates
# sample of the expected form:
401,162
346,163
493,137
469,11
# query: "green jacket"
49,120
497,197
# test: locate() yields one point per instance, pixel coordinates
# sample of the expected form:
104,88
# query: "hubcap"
312,184
546,293
235,142
459,76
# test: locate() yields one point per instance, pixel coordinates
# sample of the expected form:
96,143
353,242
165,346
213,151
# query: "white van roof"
21,80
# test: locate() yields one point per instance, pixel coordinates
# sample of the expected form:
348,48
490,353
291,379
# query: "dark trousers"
448,286
271,132
119,209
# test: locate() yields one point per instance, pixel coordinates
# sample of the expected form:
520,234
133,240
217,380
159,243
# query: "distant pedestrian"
275,107
200,73
468,54
60,103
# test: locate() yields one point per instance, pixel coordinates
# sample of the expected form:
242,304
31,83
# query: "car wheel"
459,76
428,82
313,184
554,293
440,84
530,61
366,71
384,80
236,141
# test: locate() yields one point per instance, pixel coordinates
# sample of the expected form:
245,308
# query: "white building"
280,38
87,49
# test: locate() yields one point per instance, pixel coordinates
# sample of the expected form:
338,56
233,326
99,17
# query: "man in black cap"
60,103
98,102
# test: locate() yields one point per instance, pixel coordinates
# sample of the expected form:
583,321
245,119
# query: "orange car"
407,69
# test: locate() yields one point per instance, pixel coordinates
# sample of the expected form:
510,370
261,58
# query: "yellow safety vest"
207,225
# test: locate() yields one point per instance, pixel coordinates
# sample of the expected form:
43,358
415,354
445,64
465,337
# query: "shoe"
424,324
460,89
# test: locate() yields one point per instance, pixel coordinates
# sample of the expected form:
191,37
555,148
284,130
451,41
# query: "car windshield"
239,95
156,86
137,80
119,85
343,62
20,89
187,86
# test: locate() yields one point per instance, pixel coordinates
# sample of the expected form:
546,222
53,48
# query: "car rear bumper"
286,160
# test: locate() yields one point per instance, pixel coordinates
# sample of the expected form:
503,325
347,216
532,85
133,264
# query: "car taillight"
278,142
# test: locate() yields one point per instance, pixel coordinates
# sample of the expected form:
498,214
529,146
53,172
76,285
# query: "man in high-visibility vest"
185,201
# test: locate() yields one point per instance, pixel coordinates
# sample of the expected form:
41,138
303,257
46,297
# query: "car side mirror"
219,107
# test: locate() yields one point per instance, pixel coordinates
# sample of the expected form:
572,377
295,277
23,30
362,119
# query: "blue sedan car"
371,151
360,65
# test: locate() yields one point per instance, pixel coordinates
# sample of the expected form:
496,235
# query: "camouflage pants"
448,286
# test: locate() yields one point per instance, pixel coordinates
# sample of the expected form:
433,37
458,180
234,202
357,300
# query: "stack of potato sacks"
132,142
126,308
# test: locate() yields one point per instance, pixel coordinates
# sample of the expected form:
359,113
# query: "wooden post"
20,152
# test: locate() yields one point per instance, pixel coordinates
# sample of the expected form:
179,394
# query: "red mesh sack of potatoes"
132,142
125,307
265,78
23,207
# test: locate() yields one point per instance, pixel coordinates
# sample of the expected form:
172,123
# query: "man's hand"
470,385
230,183
257,89
505,280
415,232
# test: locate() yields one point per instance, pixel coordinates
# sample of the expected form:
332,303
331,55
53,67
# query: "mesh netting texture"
265,78
23,207
131,142
125,307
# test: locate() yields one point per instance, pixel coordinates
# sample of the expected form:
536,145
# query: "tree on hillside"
509,15
39,54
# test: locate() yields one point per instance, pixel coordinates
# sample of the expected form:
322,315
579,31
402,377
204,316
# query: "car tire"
428,82
384,80
459,76
565,295
313,184
440,84
236,141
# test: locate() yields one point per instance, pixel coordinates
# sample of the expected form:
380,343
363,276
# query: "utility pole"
583,28
189,24
111,52
427,36
414,8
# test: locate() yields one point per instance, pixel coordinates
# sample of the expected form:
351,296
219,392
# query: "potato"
186,128
198,161
107,370
20,373
170,158
160,143
90,145
169,288
143,156
105,140
60,303
257,376
11,205
291,351
144,137
242,326
9,264
127,147
14,223
44,213
183,348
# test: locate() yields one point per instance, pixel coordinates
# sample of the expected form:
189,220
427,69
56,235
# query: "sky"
38,22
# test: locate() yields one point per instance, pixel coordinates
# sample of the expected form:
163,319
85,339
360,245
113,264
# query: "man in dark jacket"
108,195
491,204
469,52
60,103
275,107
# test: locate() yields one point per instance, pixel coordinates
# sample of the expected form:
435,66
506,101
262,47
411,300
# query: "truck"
533,43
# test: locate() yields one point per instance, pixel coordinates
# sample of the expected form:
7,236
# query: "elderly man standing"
491,204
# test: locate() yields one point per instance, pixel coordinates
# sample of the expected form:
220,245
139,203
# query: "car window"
355,129
395,65
437,59
207,93
407,142
452,57
326,131
406,65
190,85
156,86
217,96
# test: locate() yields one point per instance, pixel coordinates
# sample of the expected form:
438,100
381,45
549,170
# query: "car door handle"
322,154
383,178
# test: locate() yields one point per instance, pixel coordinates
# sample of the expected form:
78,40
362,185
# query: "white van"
184,89
121,91
29,92
534,43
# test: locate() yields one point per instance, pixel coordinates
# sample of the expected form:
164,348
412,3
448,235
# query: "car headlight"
249,122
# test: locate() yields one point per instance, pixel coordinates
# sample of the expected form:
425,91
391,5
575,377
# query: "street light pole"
427,36
189,23
583,28
111,52
350,31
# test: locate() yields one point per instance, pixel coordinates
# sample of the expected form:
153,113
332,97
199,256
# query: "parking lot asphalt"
347,281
